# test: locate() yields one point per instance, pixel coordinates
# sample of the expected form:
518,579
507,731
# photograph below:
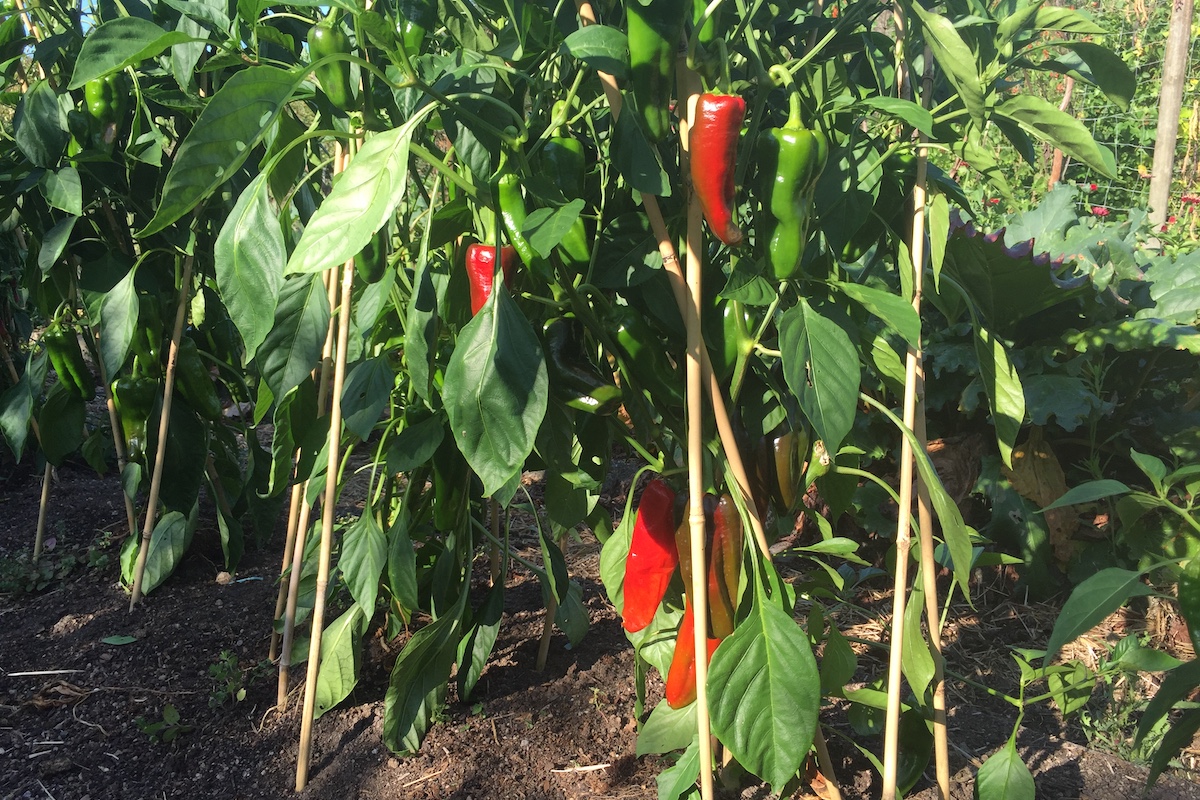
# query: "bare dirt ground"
70,704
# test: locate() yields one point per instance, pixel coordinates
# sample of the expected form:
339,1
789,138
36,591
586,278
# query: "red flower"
1171,219
1100,211
1190,199
993,201
1092,187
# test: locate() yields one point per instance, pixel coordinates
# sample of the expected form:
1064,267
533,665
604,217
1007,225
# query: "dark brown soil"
69,725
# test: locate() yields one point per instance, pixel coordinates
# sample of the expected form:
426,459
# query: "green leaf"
612,561
1004,776
765,692
680,778
1178,737
237,117
1099,66
892,309
546,227
1005,396
817,349
1175,289
1089,492
40,125
293,346
119,310
341,651
954,57
168,542
1044,121
667,729
495,391
248,258
838,663
906,111
1091,602
1067,20
636,160
54,243
415,445
1152,466
119,43
363,199
402,563
1021,19
118,640
1177,685
571,617
366,394
364,555
418,680
917,661
938,216
63,190
602,48
476,646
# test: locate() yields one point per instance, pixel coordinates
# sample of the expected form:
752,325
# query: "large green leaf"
63,189
40,125
1005,396
495,391
602,48
916,658
1046,122
820,364
667,729
1175,289
364,555
1097,65
119,43
366,394
765,692
954,57
1004,776
476,646
183,465
293,346
679,780
1178,684
418,680
1136,334
16,409
234,121
119,311
892,309
168,542
1178,737
248,258
1091,602
340,654
363,199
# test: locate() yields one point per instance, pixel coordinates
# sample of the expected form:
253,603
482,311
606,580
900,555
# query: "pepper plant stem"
118,440
160,453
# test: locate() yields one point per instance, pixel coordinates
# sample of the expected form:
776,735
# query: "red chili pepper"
481,271
724,568
652,556
681,678
713,154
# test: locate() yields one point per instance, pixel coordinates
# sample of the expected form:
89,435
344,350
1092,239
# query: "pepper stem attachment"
783,77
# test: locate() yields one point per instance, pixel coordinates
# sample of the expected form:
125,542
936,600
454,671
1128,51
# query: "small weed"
231,680
166,729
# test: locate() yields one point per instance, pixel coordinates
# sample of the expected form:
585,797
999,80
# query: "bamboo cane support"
289,547
327,513
293,587
39,535
160,455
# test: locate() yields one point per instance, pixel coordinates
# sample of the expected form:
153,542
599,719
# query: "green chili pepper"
572,375
563,160
105,100
195,384
643,358
414,19
62,344
653,30
327,38
510,203
791,159
134,399
372,262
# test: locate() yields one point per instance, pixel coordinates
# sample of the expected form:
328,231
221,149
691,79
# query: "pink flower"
1100,211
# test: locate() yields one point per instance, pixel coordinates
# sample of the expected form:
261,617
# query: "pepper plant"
515,238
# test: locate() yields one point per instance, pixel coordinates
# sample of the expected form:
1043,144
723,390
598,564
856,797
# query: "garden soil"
73,707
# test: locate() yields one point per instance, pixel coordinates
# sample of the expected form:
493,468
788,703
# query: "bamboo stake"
293,594
327,513
40,534
289,546
160,455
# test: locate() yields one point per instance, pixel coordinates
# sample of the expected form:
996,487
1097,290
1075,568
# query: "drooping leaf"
63,189
891,308
603,48
366,394
1089,492
917,661
476,646
40,125
1046,122
1006,398
954,57
820,364
168,542
61,423
496,391
340,654
248,257
293,346
764,693
667,729
679,780
364,555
